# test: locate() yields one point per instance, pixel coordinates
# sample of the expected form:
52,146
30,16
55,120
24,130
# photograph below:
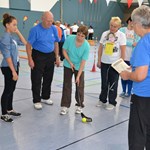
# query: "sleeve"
5,47
56,34
32,35
102,37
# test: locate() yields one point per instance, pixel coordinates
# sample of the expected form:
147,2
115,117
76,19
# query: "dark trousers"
67,88
109,85
90,37
127,83
9,88
139,123
61,50
74,33
42,75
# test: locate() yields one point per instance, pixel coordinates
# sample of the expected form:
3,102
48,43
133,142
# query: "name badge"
109,48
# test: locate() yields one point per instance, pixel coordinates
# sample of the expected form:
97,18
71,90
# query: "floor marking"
93,134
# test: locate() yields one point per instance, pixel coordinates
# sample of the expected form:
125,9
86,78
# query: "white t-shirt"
74,28
111,46
90,30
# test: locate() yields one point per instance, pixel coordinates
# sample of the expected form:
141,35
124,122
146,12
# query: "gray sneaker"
78,110
100,103
48,101
110,107
38,106
64,111
122,94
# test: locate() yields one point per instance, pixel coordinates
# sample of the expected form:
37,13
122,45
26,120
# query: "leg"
148,137
129,86
80,90
61,51
104,84
9,87
37,74
113,77
67,88
123,83
137,123
48,76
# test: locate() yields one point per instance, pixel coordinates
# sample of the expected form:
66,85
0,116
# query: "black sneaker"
6,118
13,113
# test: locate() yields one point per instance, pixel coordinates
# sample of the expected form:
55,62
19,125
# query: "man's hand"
31,63
57,62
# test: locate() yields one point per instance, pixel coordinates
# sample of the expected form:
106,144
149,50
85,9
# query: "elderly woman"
112,47
76,52
139,121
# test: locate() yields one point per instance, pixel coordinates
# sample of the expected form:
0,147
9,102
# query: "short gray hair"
141,15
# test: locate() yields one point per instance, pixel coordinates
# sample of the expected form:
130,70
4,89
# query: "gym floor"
46,129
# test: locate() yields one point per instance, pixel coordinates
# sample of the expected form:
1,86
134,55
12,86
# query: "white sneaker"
78,110
64,110
110,107
100,103
37,106
48,102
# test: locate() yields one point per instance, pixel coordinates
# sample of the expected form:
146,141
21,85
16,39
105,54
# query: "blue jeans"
127,83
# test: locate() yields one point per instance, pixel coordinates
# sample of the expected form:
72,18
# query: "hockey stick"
88,119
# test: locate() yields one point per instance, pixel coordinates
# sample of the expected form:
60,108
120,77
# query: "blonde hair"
117,20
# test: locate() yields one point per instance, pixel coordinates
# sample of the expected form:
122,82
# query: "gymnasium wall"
98,15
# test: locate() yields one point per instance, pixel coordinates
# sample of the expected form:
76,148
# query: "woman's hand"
99,64
15,76
72,66
125,75
77,80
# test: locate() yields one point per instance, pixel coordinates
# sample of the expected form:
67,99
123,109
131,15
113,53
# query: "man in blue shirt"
43,53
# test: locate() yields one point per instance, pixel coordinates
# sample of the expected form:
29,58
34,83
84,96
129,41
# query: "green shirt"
76,54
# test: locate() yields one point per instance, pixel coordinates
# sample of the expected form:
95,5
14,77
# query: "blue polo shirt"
141,57
43,39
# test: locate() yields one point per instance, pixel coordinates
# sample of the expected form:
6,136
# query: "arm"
138,75
23,40
68,59
99,55
12,68
123,49
29,54
80,71
56,50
